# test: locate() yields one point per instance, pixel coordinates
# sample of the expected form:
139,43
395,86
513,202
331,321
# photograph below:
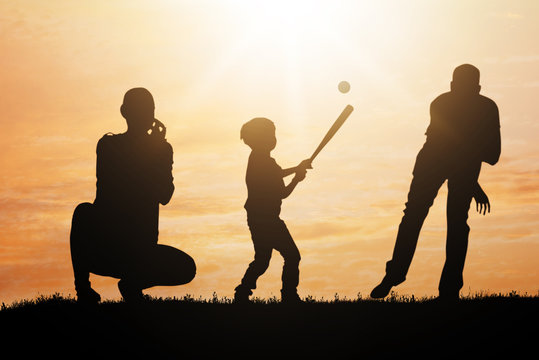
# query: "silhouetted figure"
266,189
117,235
464,131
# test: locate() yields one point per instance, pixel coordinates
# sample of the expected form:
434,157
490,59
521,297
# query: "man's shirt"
464,127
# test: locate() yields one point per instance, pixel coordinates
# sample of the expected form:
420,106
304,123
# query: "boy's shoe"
130,293
290,297
87,296
241,295
382,290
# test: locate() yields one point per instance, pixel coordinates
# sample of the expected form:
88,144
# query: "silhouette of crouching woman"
117,234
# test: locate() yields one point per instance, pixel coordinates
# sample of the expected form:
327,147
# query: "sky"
213,65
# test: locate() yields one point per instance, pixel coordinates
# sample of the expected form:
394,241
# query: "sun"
293,27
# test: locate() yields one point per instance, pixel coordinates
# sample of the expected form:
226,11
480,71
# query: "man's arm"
482,203
493,147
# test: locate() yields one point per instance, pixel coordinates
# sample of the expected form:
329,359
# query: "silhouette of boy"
266,189
464,131
117,235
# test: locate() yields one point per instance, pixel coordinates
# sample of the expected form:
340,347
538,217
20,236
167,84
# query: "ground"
187,328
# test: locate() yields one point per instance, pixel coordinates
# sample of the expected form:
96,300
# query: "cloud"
507,15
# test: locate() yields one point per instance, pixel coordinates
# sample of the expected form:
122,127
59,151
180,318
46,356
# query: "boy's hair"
256,130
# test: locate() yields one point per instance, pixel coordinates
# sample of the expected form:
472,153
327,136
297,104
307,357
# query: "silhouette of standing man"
117,235
464,131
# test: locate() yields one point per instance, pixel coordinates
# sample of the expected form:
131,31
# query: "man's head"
466,79
259,134
138,109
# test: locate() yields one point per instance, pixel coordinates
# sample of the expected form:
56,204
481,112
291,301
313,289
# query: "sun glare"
287,42
297,28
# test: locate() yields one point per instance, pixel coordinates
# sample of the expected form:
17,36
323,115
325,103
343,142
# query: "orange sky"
213,65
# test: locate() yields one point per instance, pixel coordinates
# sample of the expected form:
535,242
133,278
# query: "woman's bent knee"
82,213
186,269
81,222
190,270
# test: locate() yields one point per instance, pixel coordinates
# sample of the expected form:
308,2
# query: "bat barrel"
334,128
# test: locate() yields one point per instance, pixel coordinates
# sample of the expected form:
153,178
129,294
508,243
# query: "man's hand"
482,204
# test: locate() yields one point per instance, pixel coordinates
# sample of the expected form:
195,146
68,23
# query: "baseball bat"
334,128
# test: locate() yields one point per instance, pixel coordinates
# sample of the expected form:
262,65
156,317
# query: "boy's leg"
261,237
284,243
460,193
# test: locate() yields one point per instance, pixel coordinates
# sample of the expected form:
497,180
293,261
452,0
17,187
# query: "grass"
481,324
393,297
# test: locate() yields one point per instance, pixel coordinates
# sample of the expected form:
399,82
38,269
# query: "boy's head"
259,134
138,109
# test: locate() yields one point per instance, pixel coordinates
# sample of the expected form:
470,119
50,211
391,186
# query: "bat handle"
307,164
313,156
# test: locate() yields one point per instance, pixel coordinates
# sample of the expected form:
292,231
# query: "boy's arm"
305,164
289,171
300,175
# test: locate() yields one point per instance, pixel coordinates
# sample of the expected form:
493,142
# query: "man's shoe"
241,295
130,293
382,290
